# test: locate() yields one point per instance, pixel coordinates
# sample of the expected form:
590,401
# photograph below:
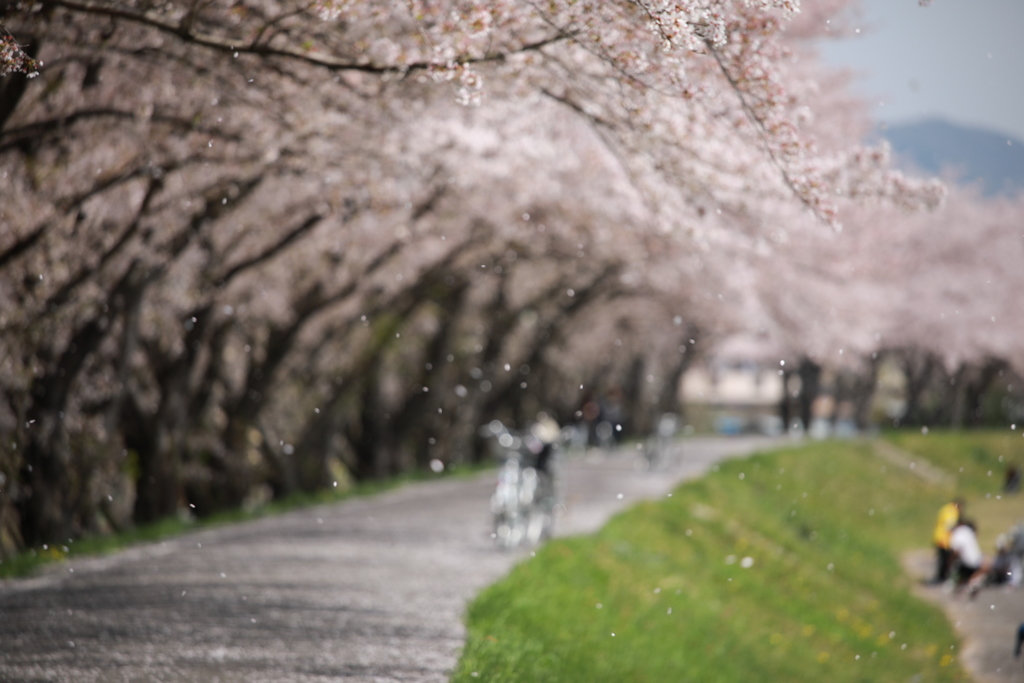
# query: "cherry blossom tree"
931,292
953,323
259,244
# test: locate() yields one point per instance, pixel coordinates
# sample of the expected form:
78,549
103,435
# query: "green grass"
978,461
662,593
29,561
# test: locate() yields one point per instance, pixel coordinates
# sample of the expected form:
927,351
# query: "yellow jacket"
949,515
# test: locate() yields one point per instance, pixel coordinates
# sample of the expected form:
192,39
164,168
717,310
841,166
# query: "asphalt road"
371,589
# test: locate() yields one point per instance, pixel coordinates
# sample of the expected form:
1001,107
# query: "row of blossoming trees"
253,246
933,295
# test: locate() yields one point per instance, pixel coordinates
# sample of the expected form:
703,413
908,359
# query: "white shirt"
964,542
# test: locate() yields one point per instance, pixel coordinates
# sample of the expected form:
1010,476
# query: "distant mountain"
973,155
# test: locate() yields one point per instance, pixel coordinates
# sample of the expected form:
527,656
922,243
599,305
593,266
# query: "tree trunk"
975,391
785,404
810,388
919,370
636,416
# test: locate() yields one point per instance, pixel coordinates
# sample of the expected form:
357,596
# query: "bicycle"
524,499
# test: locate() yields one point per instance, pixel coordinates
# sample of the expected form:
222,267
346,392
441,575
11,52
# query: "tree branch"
185,30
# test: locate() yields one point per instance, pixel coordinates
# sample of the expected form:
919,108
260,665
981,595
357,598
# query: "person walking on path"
948,518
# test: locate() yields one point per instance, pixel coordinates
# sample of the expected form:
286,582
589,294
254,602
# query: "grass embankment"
978,461
783,567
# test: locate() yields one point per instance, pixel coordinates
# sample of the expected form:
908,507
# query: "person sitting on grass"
998,572
963,542
948,518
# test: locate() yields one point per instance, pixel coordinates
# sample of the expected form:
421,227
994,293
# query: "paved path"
371,589
987,624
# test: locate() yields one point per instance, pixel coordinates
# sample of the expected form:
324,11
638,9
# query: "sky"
959,60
